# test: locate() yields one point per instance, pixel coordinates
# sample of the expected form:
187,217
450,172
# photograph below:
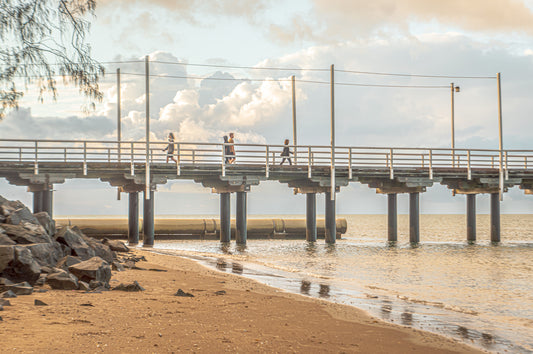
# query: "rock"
116,245
47,269
183,293
95,284
40,303
42,279
4,239
67,261
23,267
22,235
100,250
7,207
83,286
1,308
5,283
75,242
62,280
23,288
93,269
21,216
5,302
130,287
88,304
115,265
8,294
7,255
46,222
41,290
129,264
46,254
220,292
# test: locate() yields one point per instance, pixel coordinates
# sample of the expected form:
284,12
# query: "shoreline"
227,313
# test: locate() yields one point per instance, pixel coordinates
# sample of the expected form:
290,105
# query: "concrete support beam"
37,201
310,231
148,220
392,217
414,217
331,226
225,217
133,218
495,217
471,217
48,201
240,222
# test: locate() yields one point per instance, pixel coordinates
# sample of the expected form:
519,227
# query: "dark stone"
75,242
5,284
129,264
157,270
116,245
62,280
7,255
41,290
88,304
83,286
7,207
39,303
46,254
220,292
47,269
21,234
93,269
94,284
8,294
46,222
1,308
130,287
67,261
101,250
5,302
41,280
23,267
23,288
21,216
115,265
183,293
4,239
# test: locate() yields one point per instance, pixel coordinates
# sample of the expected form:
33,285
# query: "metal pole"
453,125
332,194
470,217
225,221
294,135
37,201
310,232
392,217
148,220
330,222
133,219
500,131
147,193
414,217
240,219
119,123
494,217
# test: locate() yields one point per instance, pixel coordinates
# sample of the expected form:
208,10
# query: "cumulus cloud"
333,20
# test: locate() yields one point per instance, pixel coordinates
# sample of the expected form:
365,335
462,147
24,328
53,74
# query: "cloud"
335,20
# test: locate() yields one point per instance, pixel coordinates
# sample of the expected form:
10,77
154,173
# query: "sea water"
480,293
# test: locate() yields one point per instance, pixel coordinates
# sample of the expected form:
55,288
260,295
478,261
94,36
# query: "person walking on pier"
170,148
231,148
226,149
286,153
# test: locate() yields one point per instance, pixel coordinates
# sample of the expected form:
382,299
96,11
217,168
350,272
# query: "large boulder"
93,269
23,288
46,222
75,242
46,254
67,261
116,245
7,207
7,255
21,216
4,239
22,235
62,280
22,267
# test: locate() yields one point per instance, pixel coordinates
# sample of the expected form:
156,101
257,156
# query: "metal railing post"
20,154
506,167
223,160
65,154
267,169
178,164
85,158
468,165
309,162
132,164
391,164
350,172
525,162
430,164
36,164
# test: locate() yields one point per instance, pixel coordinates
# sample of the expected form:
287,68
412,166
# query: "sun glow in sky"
464,38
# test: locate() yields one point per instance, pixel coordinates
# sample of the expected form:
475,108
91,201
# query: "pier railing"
201,153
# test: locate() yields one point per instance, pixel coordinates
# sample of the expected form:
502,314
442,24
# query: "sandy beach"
228,313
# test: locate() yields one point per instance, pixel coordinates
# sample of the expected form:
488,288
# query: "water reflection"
221,264
463,332
392,244
331,249
225,247
237,268
305,287
310,249
488,339
324,290
241,247
407,318
386,309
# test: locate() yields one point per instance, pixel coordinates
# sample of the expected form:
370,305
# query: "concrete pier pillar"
495,217
414,217
470,217
310,231
133,218
37,201
48,201
392,217
240,222
331,226
225,217
148,220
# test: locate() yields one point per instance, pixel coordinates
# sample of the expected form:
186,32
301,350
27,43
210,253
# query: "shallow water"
479,293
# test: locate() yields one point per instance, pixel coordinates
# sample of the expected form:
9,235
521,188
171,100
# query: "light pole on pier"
294,135
453,90
332,74
500,133
147,168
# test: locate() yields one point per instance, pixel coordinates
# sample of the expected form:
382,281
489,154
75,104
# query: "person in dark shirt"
286,153
170,148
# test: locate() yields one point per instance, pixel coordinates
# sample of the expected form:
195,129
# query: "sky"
475,38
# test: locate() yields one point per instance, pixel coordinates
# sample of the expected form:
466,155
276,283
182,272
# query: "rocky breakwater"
35,257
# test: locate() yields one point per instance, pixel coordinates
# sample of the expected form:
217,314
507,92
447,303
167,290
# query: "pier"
133,168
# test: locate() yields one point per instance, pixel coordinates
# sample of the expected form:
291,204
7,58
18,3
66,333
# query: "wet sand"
228,313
